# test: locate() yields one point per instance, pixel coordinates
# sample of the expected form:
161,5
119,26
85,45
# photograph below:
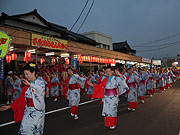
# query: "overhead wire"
79,15
86,16
159,48
158,40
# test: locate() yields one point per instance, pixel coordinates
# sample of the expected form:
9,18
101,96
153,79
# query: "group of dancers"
107,84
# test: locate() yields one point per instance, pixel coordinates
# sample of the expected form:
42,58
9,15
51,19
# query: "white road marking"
57,110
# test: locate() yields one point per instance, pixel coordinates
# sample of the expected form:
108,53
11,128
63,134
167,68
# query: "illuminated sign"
48,42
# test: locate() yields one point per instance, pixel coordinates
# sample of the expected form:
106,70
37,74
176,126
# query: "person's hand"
4,108
89,83
26,82
118,73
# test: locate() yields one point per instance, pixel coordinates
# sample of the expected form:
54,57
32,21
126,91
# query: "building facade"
123,47
104,41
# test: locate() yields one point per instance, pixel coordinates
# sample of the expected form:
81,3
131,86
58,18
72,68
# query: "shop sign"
48,42
146,60
74,63
5,42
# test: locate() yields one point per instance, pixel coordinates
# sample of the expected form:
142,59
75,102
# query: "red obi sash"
142,82
74,86
151,78
131,85
29,102
54,84
110,92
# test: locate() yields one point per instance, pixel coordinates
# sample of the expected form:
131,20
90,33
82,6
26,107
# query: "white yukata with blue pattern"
142,86
33,119
90,88
17,88
155,76
55,89
8,86
110,103
132,95
161,80
150,83
74,95
82,83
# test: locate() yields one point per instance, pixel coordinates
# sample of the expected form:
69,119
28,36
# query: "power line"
140,45
158,48
162,44
86,16
79,15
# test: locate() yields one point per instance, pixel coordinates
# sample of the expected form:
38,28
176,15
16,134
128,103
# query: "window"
108,47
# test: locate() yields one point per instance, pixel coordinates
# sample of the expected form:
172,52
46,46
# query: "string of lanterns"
94,59
80,58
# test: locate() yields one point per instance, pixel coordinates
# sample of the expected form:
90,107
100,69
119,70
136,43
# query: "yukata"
8,85
30,108
73,92
161,82
172,76
165,78
150,83
169,79
17,88
155,77
55,87
132,82
109,89
96,76
142,85
82,85
90,88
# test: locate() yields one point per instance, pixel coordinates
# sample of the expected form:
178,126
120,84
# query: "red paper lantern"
94,59
42,60
67,61
13,56
8,58
83,58
98,60
27,57
87,58
78,57
114,61
53,60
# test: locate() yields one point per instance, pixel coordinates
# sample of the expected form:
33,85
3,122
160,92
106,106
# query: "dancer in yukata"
132,81
109,89
72,91
150,83
54,86
155,78
89,89
142,84
29,106
9,87
16,86
161,81
82,83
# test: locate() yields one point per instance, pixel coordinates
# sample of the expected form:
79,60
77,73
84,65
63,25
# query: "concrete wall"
100,38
